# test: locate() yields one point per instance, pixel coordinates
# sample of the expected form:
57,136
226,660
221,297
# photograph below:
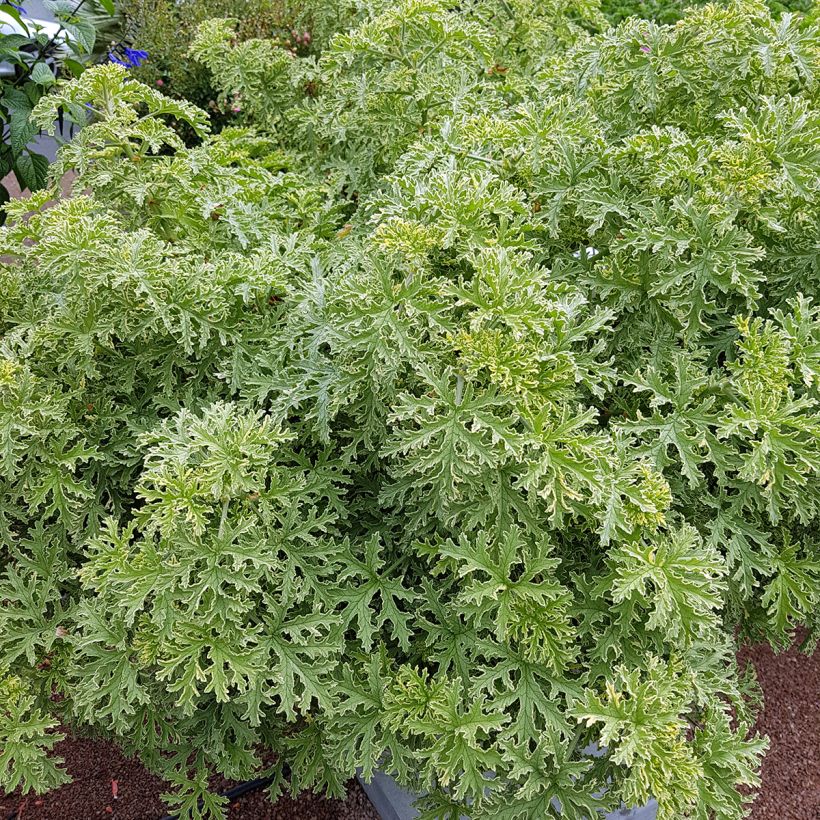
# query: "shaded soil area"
791,770
99,769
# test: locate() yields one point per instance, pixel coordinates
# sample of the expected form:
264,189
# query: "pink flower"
645,49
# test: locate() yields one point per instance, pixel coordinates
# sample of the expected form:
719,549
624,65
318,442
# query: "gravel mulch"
791,719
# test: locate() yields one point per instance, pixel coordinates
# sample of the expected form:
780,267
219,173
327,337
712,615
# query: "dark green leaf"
42,75
31,170
83,35
7,8
22,130
74,66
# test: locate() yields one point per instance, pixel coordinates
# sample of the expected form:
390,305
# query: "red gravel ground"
12,186
791,719
791,770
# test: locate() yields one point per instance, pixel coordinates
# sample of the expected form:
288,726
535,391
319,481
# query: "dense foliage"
456,419
670,11
166,29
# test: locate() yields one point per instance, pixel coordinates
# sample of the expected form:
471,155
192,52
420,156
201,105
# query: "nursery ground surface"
791,770
791,719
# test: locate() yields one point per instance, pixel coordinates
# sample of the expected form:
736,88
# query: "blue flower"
136,56
129,57
15,6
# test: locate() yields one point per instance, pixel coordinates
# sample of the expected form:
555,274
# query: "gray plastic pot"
392,802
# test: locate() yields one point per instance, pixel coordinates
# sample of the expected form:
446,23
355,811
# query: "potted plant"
456,413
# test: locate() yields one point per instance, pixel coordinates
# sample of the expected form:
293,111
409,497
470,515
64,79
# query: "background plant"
166,29
37,58
452,442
